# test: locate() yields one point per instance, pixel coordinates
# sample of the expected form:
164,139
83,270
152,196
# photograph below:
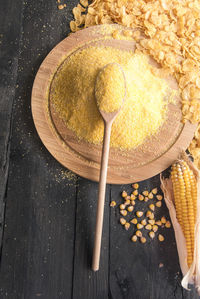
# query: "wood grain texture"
155,155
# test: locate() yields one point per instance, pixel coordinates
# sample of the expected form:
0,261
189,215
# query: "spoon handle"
101,196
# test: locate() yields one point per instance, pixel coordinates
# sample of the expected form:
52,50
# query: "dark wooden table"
47,218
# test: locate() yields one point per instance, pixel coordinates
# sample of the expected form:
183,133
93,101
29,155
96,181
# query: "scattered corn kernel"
150,196
148,226
136,186
144,222
127,202
163,220
141,197
158,204
122,221
138,233
158,222
152,207
146,199
127,225
155,228
113,203
130,208
145,193
123,212
122,207
134,221
151,221
154,191
133,197
133,202
143,240
134,238
168,224
139,213
124,194
150,215
139,226
135,192
127,197
159,197
161,238
151,235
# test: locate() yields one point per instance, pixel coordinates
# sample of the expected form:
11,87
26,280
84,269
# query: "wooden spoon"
108,121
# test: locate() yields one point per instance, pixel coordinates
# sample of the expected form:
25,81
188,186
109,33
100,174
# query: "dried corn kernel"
152,207
146,199
158,204
155,228
127,202
143,240
145,193
151,235
133,202
135,192
144,222
127,225
158,222
124,194
134,221
122,221
151,221
154,191
138,233
123,212
141,197
168,224
148,227
134,238
150,196
122,207
113,203
149,215
163,220
140,226
139,213
159,197
136,186
161,238
130,208
133,197
127,197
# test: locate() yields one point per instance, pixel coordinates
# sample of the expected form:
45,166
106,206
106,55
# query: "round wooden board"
84,159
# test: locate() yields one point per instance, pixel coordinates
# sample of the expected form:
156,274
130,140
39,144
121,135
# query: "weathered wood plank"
38,244
86,283
143,271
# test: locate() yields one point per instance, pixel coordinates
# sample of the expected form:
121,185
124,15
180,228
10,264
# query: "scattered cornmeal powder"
144,110
110,88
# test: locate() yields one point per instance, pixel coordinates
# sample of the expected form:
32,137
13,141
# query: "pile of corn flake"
170,33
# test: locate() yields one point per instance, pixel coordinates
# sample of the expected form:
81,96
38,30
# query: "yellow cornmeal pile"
110,88
170,33
144,109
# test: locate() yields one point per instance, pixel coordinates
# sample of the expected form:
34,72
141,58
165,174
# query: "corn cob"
185,198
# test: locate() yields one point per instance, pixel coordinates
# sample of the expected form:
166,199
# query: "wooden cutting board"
147,160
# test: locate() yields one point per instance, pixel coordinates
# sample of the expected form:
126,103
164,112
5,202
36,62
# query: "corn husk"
190,275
